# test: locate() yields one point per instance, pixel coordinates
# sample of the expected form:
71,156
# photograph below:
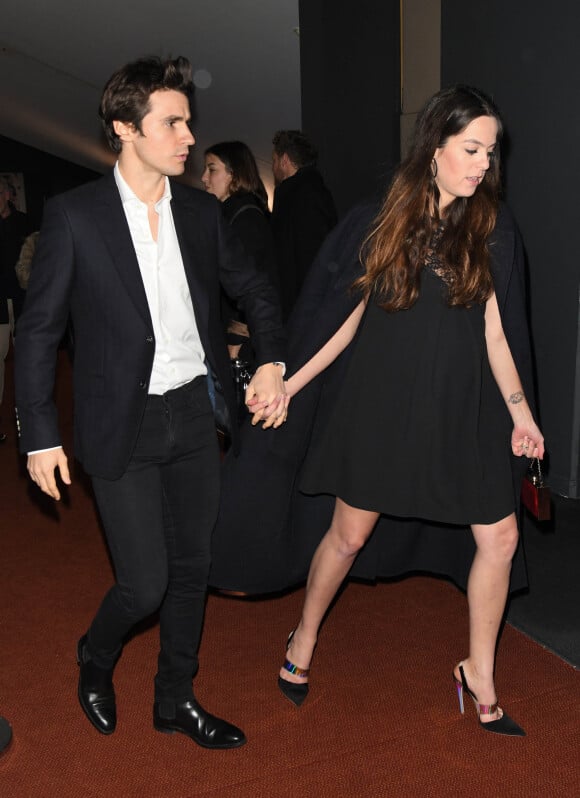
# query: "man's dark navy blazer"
86,264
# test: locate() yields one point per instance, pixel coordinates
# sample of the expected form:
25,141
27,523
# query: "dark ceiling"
55,56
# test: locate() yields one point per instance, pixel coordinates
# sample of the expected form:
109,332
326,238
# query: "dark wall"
350,70
525,55
44,175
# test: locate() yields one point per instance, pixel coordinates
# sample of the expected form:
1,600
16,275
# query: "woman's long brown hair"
400,239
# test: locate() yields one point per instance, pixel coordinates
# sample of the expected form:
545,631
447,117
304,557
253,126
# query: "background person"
303,212
14,228
231,174
25,258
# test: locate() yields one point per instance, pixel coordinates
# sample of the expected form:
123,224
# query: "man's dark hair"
296,146
127,92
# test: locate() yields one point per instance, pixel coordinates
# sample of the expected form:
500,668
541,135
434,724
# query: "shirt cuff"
280,363
50,449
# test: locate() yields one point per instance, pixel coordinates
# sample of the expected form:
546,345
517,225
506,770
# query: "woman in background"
231,175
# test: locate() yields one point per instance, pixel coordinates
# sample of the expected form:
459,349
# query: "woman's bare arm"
527,439
328,353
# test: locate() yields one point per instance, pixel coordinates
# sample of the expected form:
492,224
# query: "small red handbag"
535,494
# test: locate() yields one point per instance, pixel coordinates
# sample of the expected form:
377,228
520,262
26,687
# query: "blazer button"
142,384
149,339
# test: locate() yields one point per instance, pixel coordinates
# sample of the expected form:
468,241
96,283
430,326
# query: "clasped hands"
266,396
266,399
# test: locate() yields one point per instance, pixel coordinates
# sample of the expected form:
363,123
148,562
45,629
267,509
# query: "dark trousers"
158,519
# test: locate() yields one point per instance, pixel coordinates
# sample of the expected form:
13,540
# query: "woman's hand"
527,440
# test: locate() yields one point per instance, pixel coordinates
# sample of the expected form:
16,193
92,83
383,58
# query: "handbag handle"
536,478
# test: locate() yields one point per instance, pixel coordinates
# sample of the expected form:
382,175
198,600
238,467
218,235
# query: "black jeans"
158,519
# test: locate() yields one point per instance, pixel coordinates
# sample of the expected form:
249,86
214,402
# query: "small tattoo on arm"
514,398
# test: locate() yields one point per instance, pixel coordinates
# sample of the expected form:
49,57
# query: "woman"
231,175
432,369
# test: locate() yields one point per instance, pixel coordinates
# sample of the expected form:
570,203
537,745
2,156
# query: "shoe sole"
175,730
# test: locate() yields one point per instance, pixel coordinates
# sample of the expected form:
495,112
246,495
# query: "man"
137,260
13,231
303,212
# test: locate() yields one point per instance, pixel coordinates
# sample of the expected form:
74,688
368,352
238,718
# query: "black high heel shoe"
504,725
293,692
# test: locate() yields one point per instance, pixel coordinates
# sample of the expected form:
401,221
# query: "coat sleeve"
253,292
509,274
327,298
40,330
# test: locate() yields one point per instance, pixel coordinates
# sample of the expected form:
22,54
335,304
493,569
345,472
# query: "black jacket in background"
303,215
13,230
275,553
250,222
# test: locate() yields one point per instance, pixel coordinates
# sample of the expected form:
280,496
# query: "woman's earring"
433,168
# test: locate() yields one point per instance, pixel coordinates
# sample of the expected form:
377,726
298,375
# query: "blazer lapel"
112,222
193,253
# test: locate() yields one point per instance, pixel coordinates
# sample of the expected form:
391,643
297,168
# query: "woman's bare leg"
487,591
333,559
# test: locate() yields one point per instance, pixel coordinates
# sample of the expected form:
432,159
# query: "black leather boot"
96,692
191,719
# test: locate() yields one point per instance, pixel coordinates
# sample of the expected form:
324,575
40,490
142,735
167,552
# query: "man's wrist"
274,363
40,451
280,363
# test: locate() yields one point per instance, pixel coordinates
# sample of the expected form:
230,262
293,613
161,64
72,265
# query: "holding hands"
266,396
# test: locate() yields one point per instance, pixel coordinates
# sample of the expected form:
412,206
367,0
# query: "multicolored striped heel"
296,693
503,725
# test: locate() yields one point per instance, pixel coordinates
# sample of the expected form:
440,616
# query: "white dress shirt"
179,355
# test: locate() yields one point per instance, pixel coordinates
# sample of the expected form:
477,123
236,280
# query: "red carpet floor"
381,718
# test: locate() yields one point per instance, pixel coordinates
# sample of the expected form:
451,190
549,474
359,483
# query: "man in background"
303,212
13,231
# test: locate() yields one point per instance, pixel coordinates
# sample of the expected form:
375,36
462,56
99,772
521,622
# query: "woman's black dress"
419,428
268,528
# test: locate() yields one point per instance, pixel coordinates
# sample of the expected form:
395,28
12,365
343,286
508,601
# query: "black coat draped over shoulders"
268,530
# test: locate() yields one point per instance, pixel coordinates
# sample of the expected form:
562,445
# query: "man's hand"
42,466
266,396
